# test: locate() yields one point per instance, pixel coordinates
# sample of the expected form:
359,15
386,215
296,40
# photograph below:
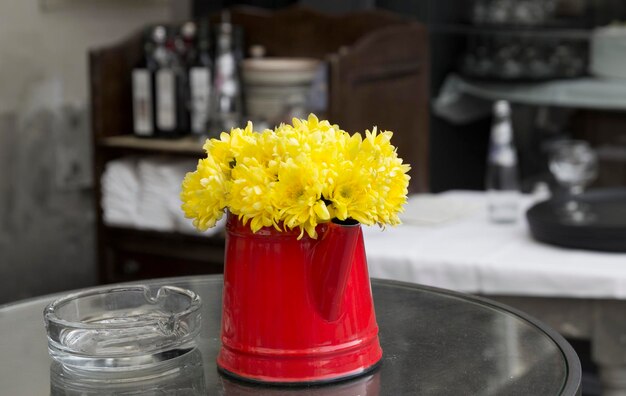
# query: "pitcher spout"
330,264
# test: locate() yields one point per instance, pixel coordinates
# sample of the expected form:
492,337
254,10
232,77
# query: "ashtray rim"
50,314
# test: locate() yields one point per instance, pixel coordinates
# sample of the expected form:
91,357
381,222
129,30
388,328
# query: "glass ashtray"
122,328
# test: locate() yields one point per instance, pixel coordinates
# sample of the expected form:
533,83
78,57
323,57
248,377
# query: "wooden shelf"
581,93
169,244
545,32
357,84
182,146
132,254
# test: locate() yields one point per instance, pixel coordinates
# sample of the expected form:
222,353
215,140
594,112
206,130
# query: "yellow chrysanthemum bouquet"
297,175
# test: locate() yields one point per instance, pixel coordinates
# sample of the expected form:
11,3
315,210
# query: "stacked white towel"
157,187
120,193
145,193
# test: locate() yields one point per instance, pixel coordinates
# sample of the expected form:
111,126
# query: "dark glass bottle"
143,91
227,106
200,81
170,86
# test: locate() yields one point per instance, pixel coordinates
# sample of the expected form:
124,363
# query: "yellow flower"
297,176
205,194
297,194
351,196
388,176
238,143
251,195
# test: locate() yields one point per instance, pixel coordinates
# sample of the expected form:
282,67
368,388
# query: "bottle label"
502,133
142,102
166,100
200,85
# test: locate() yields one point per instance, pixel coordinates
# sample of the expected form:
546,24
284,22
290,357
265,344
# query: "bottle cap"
257,51
188,30
501,108
159,34
225,27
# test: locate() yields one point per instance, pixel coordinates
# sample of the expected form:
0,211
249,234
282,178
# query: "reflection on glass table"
434,341
183,375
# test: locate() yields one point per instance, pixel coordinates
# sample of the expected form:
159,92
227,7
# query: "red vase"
297,311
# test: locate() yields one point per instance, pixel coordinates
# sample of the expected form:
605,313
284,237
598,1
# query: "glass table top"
435,342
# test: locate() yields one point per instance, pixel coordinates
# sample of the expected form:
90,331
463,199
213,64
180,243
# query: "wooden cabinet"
378,75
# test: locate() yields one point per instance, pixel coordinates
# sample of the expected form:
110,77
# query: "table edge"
572,385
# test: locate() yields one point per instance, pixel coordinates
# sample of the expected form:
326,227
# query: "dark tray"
607,232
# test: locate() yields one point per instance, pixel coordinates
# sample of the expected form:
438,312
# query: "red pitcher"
297,311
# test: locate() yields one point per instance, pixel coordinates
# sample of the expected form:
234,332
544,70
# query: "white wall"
47,232
37,44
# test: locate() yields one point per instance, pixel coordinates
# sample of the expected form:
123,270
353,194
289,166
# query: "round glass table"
435,342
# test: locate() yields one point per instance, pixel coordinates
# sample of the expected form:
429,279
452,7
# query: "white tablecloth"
447,241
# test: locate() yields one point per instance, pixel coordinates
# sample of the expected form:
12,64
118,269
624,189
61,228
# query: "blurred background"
105,103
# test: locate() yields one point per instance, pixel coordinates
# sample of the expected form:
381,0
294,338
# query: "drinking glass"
574,165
